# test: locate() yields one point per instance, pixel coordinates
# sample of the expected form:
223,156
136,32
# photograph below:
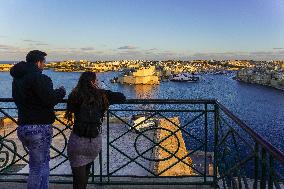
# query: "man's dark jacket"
33,94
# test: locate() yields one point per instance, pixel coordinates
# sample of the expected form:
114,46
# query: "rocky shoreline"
266,85
262,76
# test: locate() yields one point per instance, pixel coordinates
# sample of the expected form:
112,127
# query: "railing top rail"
260,140
149,101
170,101
6,100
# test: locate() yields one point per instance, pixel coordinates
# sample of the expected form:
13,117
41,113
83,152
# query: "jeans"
37,139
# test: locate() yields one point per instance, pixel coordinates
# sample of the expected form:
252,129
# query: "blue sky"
143,29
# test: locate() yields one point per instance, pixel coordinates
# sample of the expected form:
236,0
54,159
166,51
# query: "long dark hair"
86,91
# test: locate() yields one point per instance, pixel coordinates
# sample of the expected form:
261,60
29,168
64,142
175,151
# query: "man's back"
33,94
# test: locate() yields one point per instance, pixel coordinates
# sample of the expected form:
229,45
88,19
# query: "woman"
88,103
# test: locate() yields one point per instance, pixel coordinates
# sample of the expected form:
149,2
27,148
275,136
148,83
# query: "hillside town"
150,72
174,66
269,73
264,73
5,67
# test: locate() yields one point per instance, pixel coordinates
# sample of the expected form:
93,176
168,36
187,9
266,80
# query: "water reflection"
145,91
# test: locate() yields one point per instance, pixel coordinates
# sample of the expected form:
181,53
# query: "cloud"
280,52
87,49
167,53
262,53
153,54
5,47
127,47
11,49
278,48
153,49
41,44
34,42
11,52
255,55
30,41
130,52
218,56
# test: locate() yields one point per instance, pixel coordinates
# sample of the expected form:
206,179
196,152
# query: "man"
35,99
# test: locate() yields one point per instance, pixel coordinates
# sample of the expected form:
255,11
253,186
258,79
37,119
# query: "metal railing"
194,142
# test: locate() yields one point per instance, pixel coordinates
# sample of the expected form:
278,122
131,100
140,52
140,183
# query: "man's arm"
43,87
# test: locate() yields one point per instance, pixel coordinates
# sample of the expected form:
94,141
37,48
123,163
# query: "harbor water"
260,107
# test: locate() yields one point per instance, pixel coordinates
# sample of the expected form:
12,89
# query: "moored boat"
184,77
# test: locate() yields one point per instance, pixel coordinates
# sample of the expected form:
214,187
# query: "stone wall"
171,144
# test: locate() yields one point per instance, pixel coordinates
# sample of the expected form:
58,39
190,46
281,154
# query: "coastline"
251,83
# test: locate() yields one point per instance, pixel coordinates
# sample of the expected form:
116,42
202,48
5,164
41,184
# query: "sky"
142,29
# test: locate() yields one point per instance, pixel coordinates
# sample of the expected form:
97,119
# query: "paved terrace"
92,186
125,144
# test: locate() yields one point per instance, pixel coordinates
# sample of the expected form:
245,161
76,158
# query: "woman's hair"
86,91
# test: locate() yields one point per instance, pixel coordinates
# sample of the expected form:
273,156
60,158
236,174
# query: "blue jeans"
37,139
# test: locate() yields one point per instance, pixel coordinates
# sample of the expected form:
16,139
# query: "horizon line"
15,61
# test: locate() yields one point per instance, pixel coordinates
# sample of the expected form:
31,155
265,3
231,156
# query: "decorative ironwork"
5,158
141,154
220,149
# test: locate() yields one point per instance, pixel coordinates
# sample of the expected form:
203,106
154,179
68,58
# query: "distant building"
5,67
141,76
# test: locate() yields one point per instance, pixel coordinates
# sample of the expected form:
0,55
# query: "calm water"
262,108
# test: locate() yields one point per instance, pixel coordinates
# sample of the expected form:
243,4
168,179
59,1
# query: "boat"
114,80
140,122
184,77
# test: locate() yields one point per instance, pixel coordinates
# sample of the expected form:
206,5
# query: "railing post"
108,146
206,142
93,172
216,127
271,172
263,169
101,167
256,159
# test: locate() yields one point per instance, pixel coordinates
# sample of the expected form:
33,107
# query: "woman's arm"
115,97
72,103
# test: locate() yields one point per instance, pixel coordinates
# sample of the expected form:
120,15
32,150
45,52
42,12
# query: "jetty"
173,148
